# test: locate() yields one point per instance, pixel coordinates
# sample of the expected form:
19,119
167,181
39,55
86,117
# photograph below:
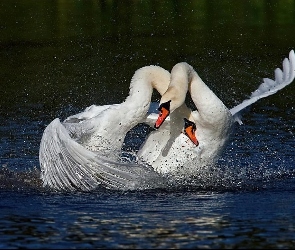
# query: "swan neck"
144,81
178,87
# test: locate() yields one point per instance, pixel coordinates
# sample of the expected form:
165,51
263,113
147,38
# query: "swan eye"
165,105
189,124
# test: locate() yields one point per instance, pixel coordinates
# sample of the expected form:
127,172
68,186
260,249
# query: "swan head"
164,111
190,131
167,107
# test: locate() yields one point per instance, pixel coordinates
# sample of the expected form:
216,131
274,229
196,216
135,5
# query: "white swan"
213,120
175,154
82,151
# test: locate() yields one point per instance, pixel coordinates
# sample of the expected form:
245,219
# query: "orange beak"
164,113
190,131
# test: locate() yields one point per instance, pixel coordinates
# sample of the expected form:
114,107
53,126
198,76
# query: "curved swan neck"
119,119
184,78
135,107
147,78
178,87
142,84
210,109
200,93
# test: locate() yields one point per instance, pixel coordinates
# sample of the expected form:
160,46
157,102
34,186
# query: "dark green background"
59,56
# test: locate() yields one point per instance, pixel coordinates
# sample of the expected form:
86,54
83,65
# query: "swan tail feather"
67,165
268,86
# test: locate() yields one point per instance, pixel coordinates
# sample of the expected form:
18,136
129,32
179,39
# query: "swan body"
174,153
79,144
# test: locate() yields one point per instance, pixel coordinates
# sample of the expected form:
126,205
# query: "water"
58,57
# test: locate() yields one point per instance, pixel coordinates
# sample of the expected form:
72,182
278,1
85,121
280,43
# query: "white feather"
268,86
66,165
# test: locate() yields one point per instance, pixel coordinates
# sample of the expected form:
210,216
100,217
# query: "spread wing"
269,86
67,165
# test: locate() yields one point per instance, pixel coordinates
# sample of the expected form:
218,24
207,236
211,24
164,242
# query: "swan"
212,119
210,126
83,151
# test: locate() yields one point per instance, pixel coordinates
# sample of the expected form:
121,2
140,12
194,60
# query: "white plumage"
83,151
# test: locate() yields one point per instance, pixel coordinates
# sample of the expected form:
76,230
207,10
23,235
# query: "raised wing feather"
66,165
269,86
88,113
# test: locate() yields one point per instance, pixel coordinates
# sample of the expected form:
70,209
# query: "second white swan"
180,156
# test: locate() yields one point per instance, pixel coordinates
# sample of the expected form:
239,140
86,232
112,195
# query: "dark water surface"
60,56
